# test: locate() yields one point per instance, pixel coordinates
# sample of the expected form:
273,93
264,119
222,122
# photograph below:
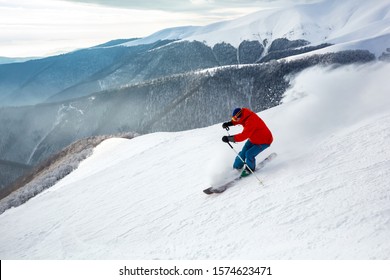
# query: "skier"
255,130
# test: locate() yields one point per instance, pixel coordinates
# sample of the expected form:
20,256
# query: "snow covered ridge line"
49,172
322,58
325,21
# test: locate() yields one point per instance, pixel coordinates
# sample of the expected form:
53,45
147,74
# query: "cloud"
189,5
162,5
47,27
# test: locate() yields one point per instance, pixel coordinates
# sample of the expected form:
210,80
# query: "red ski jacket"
254,128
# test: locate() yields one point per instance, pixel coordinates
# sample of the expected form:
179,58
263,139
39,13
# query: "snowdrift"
326,195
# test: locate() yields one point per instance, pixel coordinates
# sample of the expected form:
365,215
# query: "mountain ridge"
333,25
326,21
198,99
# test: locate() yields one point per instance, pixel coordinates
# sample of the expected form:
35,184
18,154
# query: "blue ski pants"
248,154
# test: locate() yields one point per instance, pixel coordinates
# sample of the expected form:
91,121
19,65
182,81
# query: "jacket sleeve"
245,134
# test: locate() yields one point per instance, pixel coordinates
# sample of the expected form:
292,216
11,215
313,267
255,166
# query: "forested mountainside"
95,69
173,103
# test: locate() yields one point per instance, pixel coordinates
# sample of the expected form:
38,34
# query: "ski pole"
243,161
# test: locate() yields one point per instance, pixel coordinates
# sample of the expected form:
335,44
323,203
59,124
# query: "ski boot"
246,172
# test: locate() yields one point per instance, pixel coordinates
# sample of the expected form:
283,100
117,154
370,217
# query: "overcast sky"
47,27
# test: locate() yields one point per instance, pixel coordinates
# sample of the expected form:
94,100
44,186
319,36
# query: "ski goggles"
237,116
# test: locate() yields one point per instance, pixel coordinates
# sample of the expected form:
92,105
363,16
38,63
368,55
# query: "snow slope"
349,24
326,196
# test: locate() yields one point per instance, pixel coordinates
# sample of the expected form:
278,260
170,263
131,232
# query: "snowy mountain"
139,85
322,27
349,24
326,195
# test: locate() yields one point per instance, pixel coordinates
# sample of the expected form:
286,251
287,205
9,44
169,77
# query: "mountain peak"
328,21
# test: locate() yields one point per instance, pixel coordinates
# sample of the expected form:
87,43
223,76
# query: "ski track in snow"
143,199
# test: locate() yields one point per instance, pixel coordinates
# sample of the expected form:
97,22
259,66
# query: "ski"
225,186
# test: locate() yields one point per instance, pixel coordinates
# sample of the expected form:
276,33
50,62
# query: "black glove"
226,124
227,139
